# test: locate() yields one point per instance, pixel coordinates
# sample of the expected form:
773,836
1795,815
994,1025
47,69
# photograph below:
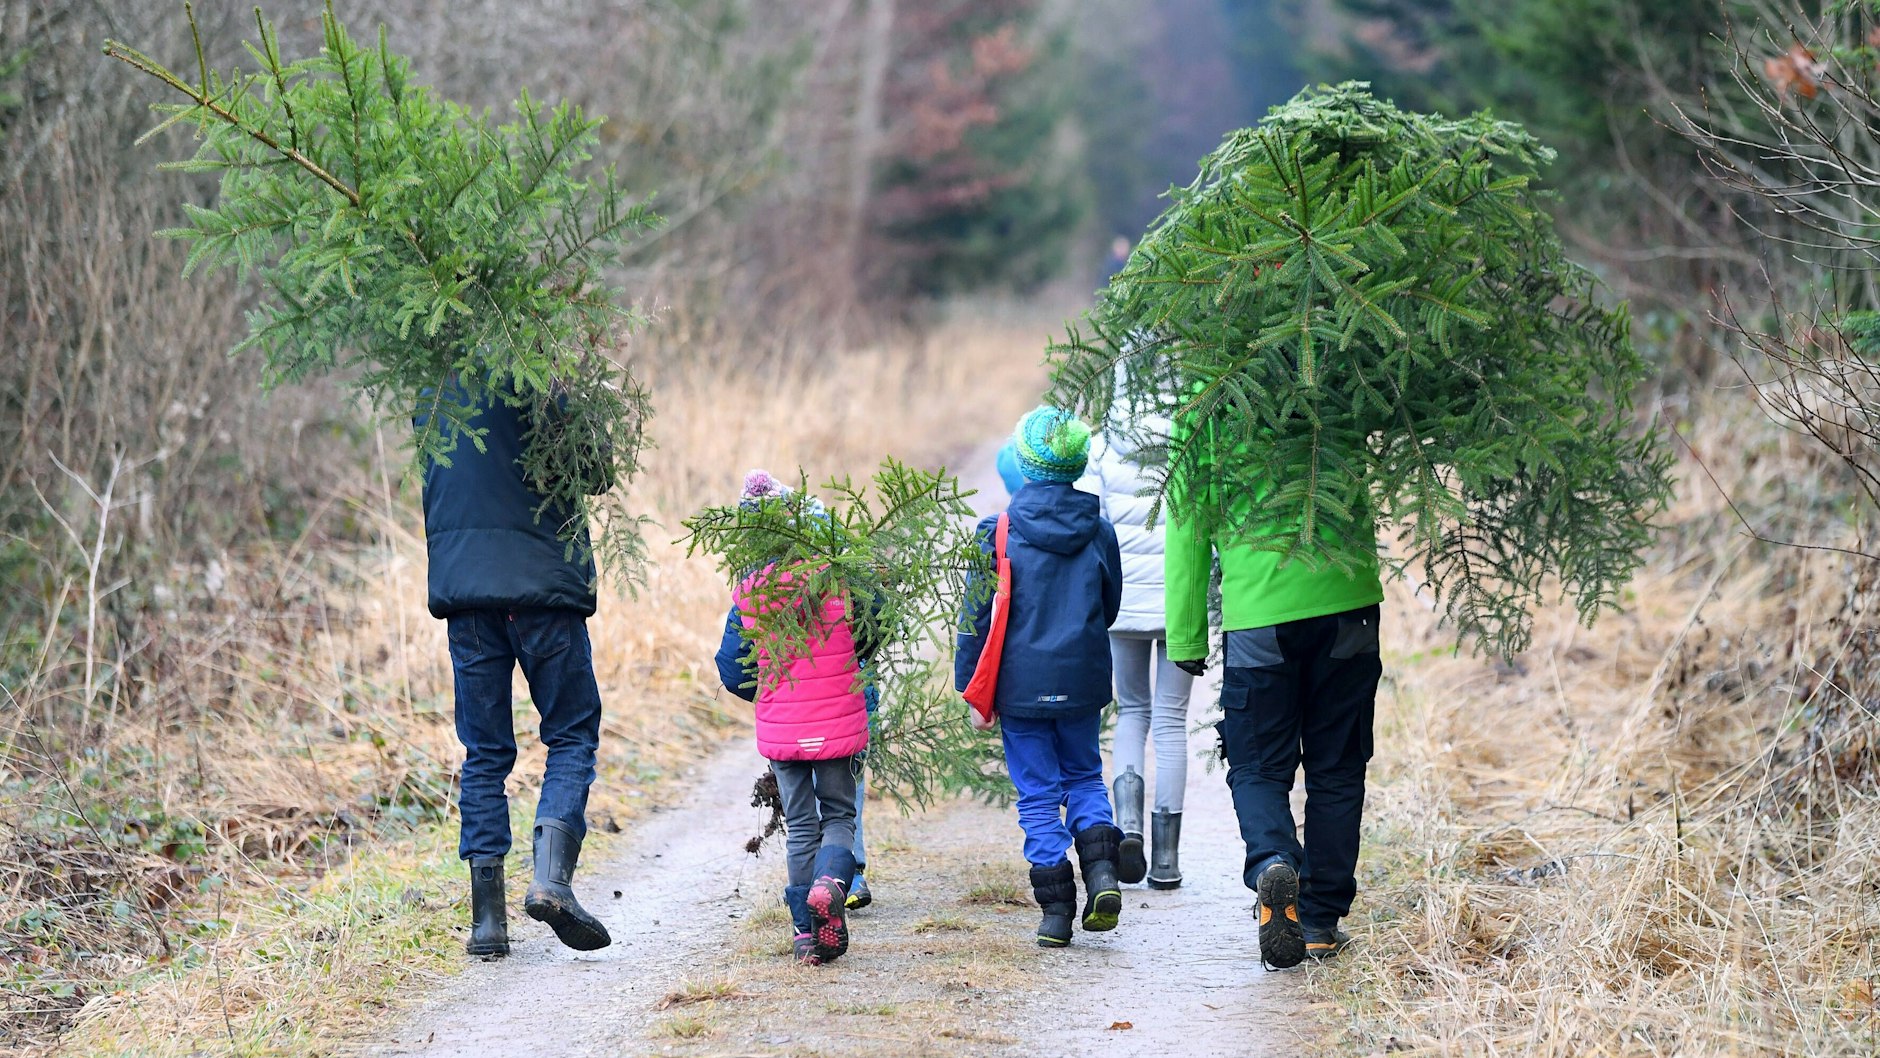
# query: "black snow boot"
1055,889
1128,792
550,898
1103,898
1165,834
489,918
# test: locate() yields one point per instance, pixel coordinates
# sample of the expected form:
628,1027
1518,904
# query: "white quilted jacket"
1115,478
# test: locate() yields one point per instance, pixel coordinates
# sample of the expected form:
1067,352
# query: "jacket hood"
1055,517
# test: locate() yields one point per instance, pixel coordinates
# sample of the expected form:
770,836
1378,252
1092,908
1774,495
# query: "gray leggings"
1142,706
819,804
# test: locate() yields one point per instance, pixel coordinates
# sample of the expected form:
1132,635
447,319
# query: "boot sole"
1282,939
487,951
1165,883
1053,942
826,906
1106,910
1131,864
568,927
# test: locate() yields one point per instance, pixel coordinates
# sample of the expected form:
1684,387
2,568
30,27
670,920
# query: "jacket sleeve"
734,659
1112,559
975,615
1187,565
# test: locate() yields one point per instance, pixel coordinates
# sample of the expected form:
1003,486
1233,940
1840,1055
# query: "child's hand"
980,723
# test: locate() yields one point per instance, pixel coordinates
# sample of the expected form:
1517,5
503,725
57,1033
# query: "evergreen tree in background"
1576,72
418,247
977,187
1358,314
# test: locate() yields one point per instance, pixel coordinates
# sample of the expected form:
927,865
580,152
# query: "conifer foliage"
901,552
420,247
1357,315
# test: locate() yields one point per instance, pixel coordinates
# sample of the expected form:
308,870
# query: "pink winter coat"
818,711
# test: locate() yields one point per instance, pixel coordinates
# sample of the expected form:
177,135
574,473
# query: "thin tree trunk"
877,43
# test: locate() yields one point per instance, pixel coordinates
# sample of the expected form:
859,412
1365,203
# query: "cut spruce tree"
900,551
1363,326
439,261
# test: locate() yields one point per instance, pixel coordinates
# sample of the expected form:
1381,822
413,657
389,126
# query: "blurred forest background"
217,674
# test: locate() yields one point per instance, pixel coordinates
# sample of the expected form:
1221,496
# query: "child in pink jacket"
812,721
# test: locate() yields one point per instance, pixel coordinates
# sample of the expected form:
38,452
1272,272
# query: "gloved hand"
1197,667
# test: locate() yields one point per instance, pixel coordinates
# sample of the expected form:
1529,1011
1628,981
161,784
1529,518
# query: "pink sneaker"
828,899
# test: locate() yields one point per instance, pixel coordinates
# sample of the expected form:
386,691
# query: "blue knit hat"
1051,445
1007,464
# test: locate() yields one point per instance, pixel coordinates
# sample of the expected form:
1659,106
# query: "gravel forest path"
943,964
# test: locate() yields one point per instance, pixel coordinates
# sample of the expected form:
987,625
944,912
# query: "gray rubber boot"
551,899
1127,794
1165,834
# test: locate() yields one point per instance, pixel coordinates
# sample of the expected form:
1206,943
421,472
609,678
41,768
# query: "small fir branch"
901,553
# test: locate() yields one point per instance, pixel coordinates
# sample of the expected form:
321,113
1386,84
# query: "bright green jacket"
1258,588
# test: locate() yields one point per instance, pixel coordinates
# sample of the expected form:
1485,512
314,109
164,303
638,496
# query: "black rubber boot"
1165,835
551,899
1103,897
829,900
1055,889
489,917
1127,795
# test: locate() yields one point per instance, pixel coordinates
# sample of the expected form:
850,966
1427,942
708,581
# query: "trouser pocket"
543,633
1356,635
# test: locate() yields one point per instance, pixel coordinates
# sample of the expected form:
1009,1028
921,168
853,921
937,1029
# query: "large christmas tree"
1360,317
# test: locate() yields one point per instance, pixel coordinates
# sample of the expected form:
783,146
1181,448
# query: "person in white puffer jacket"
1151,692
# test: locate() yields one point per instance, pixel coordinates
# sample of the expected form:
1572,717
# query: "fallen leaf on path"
1117,1026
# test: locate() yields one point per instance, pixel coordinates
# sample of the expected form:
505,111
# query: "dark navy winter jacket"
1067,585
487,548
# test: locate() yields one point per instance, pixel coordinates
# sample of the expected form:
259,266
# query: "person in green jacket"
1299,686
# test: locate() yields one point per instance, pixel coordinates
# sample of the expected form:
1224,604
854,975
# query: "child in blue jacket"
1054,674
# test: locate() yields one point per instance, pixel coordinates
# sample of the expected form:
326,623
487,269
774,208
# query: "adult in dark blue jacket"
1054,672
505,582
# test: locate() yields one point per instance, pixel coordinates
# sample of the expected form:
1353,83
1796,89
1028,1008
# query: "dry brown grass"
318,756
1659,836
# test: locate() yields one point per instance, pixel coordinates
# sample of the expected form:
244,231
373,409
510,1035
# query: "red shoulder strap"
999,538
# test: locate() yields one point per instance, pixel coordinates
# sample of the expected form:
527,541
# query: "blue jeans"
552,647
1058,771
